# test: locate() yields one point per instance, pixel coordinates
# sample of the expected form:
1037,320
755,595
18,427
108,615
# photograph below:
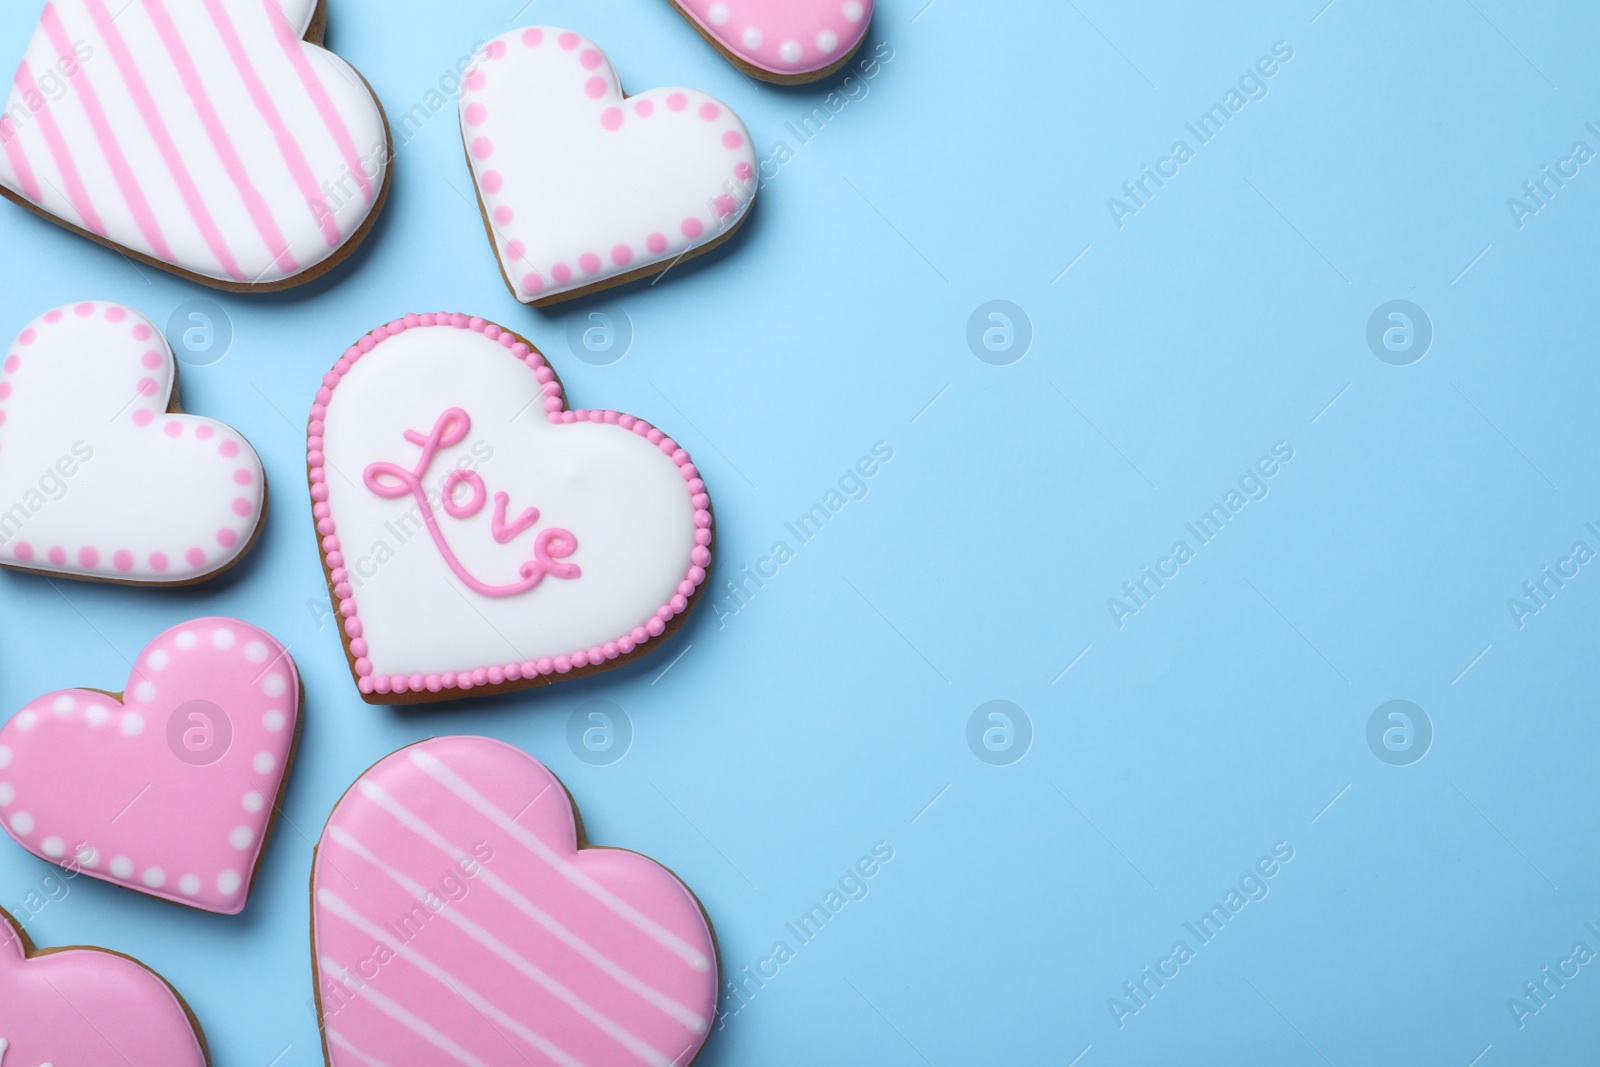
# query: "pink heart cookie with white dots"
582,187
100,476
785,41
459,919
169,788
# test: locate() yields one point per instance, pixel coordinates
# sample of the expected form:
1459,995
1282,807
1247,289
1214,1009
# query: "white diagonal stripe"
527,968
400,1014
448,778
336,905
407,818
342,1043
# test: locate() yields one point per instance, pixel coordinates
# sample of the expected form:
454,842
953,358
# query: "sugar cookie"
101,476
76,1005
458,916
169,788
789,42
477,535
212,138
582,188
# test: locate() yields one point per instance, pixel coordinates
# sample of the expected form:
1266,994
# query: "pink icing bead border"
555,412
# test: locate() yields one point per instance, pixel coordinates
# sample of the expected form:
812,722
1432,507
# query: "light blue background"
829,712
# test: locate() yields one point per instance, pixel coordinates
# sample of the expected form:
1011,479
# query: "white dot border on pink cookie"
275,676
746,29
556,411
147,411
533,280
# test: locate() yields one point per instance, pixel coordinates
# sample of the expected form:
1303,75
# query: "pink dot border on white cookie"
532,281
148,411
531,672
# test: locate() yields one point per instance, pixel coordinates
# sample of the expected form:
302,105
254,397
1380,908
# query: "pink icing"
784,37
456,921
556,412
88,1006
451,429
172,790
156,125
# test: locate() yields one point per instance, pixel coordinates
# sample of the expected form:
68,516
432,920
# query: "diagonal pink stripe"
127,180
287,145
294,47
217,133
11,137
163,137
61,152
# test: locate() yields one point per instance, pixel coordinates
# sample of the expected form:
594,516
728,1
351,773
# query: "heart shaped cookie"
583,188
212,138
479,536
100,477
68,1006
169,788
458,918
785,41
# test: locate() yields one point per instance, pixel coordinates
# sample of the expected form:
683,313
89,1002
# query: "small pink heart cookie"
211,138
169,788
785,41
100,476
87,1006
583,188
458,918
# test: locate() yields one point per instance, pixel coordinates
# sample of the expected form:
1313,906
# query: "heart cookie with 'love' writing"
66,1007
211,138
480,537
101,476
789,42
169,788
458,917
583,188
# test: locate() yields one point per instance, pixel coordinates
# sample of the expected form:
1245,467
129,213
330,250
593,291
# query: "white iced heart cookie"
583,188
99,477
213,138
479,536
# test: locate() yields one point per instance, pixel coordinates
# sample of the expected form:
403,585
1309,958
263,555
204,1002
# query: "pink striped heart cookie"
169,788
583,188
101,477
458,918
79,1006
789,42
212,138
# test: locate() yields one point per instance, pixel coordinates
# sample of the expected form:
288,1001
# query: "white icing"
116,38
569,187
625,502
75,393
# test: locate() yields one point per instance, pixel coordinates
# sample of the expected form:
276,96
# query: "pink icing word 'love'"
549,546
